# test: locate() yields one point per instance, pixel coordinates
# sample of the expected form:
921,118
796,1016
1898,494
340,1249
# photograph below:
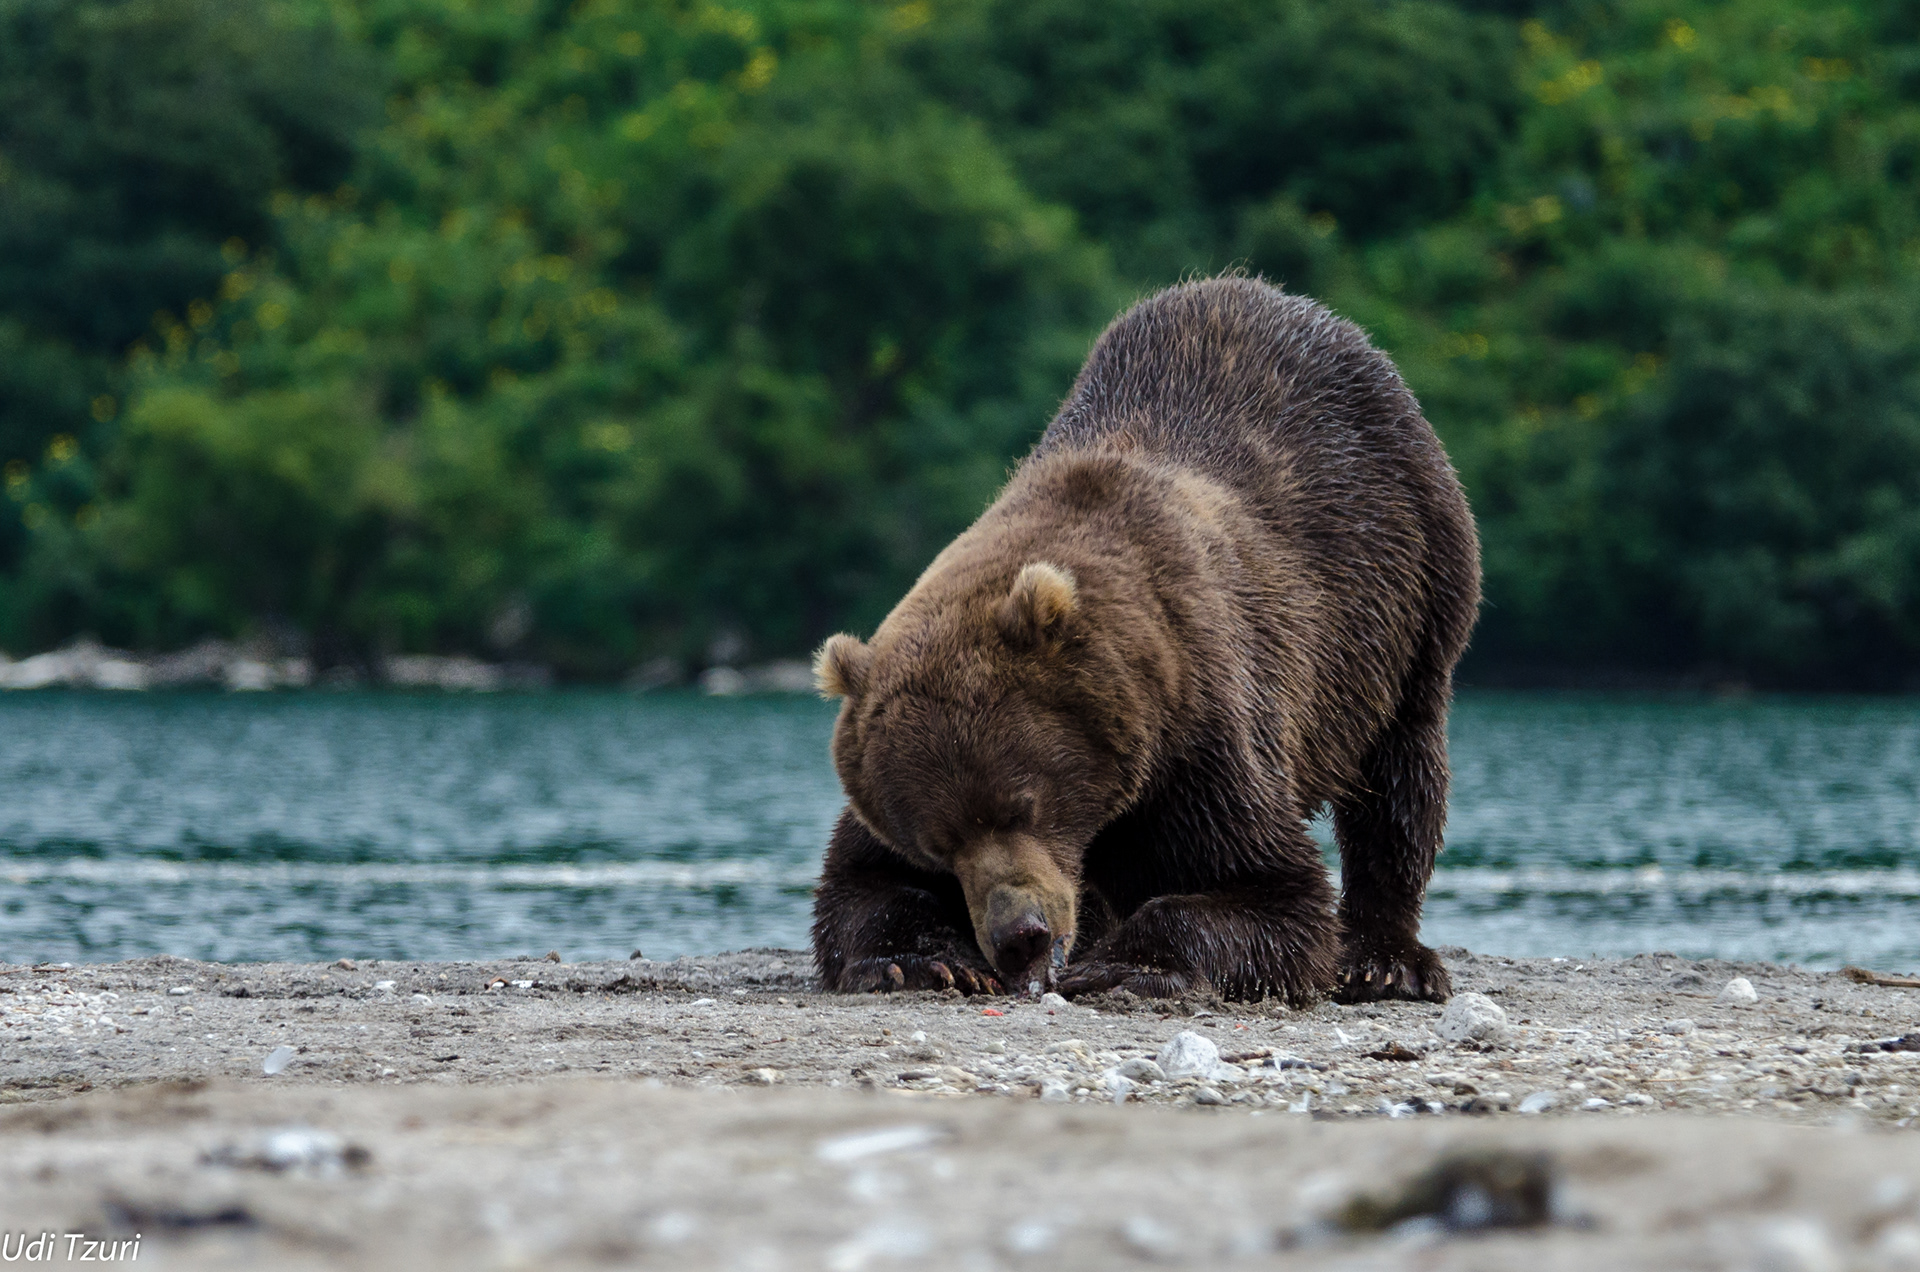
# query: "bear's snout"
1022,905
1018,933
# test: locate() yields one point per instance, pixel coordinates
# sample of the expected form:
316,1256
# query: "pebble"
1795,1245
1052,1001
1680,1026
764,1077
1054,1091
887,1139
277,1060
1207,1095
1188,1055
1539,1102
1740,992
1473,1018
178,990
1141,1069
674,1226
1030,1236
1152,1238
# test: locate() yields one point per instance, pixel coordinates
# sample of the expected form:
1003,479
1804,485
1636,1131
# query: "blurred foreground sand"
717,1113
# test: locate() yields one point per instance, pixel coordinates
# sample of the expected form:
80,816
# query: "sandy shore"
711,1113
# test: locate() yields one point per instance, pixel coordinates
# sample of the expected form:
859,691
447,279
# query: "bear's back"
1237,378
1356,557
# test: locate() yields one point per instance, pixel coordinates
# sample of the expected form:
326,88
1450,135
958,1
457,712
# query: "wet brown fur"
1256,572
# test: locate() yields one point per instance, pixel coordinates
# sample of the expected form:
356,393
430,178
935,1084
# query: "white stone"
1539,1102
1054,1091
1141,1069
889,1139
1207,1095
1030,1236
246,675
277,1059
1472,1018
1152,1238
118,673
1188,1055
1795,1245
1739,992
673,1227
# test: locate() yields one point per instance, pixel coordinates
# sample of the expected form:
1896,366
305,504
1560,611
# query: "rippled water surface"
311,826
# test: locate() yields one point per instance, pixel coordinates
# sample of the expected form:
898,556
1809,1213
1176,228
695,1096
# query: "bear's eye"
1017,814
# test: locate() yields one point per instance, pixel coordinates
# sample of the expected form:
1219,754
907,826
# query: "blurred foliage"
588,332
138,141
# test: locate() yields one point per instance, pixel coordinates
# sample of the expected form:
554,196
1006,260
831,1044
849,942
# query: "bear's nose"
1020,942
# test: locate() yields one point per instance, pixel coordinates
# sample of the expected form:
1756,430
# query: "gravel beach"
717,1112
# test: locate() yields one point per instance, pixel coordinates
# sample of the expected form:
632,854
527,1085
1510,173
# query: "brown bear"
1227,589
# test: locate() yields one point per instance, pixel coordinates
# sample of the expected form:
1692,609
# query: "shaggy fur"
1227,589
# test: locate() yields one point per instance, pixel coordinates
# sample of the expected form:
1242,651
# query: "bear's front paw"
1147,982
911,971
1416,973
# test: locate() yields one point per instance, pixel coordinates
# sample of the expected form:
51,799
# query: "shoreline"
137,1092
1795,1045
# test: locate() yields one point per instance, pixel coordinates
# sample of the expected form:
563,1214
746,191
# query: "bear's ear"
1042,600
840,668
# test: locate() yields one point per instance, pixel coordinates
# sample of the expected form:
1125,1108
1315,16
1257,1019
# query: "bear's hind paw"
912,972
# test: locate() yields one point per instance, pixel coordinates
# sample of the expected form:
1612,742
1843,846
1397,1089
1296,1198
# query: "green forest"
588,332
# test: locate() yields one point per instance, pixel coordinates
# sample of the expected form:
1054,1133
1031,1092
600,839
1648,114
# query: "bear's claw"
911,972
1147,982
1416,974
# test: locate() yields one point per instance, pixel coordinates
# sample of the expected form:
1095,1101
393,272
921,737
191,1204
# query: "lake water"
317,825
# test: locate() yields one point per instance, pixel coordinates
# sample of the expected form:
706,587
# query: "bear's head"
976,738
